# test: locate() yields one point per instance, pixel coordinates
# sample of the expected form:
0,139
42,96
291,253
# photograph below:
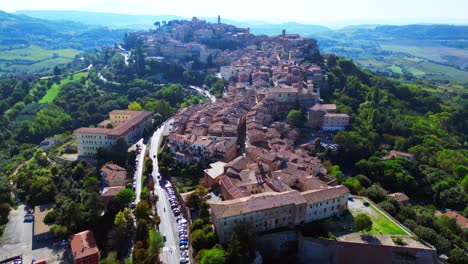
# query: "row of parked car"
181,223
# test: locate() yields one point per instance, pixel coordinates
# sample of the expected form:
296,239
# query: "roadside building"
113,175
121,124
108,194
84,248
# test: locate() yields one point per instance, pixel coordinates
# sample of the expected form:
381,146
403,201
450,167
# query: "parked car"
28,218
164,237
366,204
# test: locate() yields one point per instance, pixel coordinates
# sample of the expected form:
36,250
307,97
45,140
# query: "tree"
202,240
234,249
363,222
125,197
388,207
247,236
57,71
142,230
203,211
213,256
135,106
92,207
142,210
156,243
375,193
295,118
458,256
353,184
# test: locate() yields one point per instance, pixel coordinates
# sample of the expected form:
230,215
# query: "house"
84,248
401,197
461,220
213,174
121,124
113,175
108,194
395,153
324,116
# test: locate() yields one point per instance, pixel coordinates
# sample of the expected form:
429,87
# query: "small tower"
219,19
284,33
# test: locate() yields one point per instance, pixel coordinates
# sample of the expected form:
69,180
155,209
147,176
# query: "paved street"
168,226
17,240
141,159
203,92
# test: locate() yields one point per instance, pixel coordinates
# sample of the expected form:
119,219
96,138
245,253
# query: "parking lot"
17,240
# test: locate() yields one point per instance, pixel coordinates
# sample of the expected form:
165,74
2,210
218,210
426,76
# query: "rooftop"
122,127
83,244
256,202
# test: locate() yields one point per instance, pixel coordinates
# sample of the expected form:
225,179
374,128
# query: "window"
324,210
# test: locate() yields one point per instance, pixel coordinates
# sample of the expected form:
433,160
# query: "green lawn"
380,222
55,89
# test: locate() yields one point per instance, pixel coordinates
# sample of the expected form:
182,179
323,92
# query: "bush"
388,207
399,241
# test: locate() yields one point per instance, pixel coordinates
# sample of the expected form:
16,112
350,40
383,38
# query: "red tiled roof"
462,221
122,128
83,244
114,171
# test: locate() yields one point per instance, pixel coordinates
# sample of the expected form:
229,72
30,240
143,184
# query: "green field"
55,89
380,222
34,59
36,53
396,69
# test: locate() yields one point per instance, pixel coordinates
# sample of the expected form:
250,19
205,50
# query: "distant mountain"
33,45
111,20
143,22
436,52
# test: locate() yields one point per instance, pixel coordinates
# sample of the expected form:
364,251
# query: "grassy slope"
55,89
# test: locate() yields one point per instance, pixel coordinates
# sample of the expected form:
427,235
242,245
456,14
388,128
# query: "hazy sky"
311,11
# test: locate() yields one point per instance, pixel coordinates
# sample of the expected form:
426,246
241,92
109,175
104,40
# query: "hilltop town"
238,163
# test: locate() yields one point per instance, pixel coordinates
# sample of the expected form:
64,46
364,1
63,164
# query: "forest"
387,115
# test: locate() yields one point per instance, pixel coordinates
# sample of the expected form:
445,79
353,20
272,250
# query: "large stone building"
324,116
271,210
121,123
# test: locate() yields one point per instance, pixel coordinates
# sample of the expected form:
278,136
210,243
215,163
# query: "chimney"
284,32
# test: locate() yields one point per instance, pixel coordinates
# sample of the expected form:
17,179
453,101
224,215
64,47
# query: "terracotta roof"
316,196
114,171
83,244
237,164
462,221
122,128
256,202
111,191
401,197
